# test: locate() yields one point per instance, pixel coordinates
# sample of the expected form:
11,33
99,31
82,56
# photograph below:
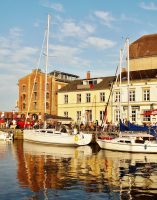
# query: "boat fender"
145,146
76,138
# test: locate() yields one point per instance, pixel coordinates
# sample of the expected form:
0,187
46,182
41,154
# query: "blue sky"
85,35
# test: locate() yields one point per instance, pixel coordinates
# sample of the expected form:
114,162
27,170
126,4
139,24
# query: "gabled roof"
145,46
73,86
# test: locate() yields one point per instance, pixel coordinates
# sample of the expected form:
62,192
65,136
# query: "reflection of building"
49,170
32,91
41,167
84,100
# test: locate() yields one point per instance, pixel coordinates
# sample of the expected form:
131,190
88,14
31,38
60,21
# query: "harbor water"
39,172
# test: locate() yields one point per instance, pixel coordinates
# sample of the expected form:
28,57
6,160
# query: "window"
78,98
24,106
133,116
78,113
147,117
88,98
88,115
146,95
102,96
101,115
65,114
47,86
24,97
66,98
117,115
23,88
35,86
132,95
117,96
35,95
47,105
35,105
47,95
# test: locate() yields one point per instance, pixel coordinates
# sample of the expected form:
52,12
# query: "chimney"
88,75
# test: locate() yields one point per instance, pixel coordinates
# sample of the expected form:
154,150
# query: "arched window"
47,105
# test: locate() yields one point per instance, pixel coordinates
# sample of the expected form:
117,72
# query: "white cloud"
99,43
71,29
105,17
149,6
67,56
130,19
56,6
15,32
16,61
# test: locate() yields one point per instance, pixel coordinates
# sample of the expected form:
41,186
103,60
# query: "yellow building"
84,100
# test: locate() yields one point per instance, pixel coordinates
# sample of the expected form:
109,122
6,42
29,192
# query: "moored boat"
6,136
53,137
127,142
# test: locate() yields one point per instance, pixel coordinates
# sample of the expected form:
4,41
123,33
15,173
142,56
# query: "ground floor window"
146,118
101,115
117,115
133,116
65,114
78,115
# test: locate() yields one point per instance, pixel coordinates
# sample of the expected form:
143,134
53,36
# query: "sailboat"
137,141
52,136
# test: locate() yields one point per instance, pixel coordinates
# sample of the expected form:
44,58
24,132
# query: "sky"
85,35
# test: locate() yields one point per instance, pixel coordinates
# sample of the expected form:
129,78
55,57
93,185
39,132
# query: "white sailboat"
51,136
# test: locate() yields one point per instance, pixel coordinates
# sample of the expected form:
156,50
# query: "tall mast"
120,83
46,63
128,69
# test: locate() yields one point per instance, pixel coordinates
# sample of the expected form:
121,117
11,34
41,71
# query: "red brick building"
32,91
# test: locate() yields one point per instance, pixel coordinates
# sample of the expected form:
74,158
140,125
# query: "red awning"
150,112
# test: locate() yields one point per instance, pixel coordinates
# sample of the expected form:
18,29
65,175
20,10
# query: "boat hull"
57,138
113,145
6,136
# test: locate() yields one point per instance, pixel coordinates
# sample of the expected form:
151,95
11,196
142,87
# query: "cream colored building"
138,97
84,100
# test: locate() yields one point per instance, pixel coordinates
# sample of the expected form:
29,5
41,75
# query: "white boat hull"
147,147
6,136
55,138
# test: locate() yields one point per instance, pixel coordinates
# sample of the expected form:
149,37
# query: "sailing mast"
128,77
46,66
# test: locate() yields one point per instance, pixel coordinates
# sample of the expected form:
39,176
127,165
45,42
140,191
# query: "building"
142,94
143,53
84,100
32,96
88,97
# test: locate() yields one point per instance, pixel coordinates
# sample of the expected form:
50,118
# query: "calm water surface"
38,172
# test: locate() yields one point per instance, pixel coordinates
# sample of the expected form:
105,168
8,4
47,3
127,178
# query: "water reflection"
77,173
135,174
